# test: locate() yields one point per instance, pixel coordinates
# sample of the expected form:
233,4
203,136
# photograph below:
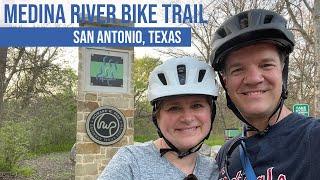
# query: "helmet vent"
181,70
162,78
243,20
227,30
267,19
222,33
202,72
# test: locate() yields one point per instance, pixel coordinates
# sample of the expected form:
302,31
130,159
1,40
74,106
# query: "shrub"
13,144
53,124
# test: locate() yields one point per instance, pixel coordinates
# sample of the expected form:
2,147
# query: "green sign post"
301,109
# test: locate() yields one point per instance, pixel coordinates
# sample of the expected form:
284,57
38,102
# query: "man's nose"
253,75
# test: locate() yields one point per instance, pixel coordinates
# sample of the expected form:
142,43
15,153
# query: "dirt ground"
54,166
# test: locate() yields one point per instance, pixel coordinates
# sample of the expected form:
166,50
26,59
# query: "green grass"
215,140
141,138
3,166
17,170
50,148
145,138
24,171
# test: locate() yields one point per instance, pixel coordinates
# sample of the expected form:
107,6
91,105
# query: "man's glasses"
191,177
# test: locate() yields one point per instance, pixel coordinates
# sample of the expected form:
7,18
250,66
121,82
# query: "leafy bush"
50,121
14,144
24,171
53,125
144,130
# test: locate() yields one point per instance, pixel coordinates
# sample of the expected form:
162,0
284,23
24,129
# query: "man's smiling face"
253,79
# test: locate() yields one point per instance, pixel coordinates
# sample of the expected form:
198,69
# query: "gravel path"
54,166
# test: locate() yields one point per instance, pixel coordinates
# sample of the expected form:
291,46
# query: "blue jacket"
290,150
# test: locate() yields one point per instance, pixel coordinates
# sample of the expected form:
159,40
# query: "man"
251,54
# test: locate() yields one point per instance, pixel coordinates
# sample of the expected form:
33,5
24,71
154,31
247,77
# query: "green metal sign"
301,109
231,133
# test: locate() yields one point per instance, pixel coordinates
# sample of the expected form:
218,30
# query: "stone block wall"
91,158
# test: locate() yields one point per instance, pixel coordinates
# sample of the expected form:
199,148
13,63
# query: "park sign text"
26,24
301,109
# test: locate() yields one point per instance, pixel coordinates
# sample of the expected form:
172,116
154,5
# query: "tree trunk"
3,62
317,57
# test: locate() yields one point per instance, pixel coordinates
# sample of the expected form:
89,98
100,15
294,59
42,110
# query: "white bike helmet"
181,76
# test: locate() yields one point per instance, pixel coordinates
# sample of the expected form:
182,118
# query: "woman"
182,92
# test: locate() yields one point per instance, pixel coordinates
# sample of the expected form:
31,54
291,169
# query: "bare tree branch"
295,21
308,6
15,66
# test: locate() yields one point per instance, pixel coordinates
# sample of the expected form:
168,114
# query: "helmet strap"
284,92
235,110
181,154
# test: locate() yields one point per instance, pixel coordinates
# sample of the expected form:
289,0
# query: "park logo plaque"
106,125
